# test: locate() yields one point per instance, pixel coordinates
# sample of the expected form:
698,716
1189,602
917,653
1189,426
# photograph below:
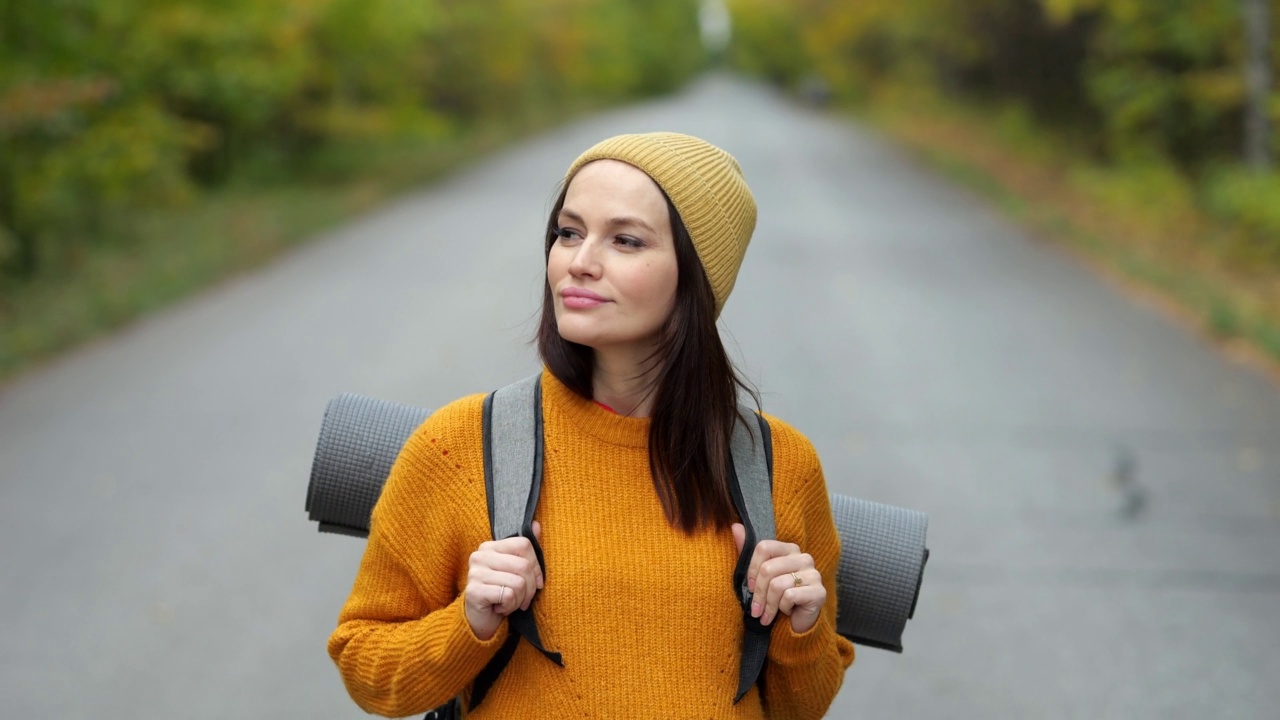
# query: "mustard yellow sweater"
644,615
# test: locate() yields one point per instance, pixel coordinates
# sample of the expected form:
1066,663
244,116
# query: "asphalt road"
157,561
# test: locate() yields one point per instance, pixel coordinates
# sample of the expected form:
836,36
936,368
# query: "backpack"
881,564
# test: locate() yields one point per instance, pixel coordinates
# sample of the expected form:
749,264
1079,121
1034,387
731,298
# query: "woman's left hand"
783,579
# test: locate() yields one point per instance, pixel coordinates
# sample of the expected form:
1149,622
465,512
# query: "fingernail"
755,609
751,584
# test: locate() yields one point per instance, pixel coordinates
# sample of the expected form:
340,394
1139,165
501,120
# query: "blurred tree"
230,67
1258,76
77,142
767,40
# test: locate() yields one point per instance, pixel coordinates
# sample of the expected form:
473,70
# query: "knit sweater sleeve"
403,644
805,670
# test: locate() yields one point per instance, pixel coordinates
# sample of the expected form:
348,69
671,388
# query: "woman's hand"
783,579
502,575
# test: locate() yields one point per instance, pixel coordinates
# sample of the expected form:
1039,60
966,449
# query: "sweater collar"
589,418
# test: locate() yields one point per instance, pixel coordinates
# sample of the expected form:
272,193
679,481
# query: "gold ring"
502,594
796,577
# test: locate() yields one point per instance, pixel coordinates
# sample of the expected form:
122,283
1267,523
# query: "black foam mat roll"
883,547
882,560
359,441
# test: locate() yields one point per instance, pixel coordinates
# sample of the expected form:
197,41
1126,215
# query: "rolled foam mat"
883,547
359,441
882,560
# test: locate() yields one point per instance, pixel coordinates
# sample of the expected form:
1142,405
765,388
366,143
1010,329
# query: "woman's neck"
624,382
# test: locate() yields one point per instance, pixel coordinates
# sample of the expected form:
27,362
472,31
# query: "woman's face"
612,270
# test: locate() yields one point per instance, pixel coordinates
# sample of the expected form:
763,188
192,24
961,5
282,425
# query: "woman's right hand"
502,575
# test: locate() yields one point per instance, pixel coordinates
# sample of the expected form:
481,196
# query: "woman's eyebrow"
613,222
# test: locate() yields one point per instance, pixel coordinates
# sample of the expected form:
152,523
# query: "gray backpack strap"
512,427
751,473
513,457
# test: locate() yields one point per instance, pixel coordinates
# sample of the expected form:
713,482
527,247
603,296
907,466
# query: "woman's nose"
585,262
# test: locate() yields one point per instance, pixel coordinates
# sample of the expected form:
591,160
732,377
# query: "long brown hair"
695,394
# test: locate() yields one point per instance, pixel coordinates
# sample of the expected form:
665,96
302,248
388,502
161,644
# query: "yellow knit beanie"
707,188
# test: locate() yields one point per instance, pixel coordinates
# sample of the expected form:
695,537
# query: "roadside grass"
147,260
1142,224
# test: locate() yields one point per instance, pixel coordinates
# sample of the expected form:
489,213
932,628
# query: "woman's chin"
580,336
599,337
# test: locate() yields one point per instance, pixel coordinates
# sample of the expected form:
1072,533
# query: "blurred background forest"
148,147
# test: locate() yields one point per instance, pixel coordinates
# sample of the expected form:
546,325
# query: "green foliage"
114,106
1250,200
767,40
127,153
1150,184
1166,78
1154,88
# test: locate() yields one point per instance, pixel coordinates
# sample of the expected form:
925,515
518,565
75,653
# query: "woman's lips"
580,298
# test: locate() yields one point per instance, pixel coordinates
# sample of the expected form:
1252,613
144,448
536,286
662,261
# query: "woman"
635,520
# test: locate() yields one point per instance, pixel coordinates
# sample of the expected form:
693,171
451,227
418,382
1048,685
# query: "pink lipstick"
580,298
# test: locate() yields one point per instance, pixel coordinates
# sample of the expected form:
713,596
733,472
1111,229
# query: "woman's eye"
629,242
566,233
